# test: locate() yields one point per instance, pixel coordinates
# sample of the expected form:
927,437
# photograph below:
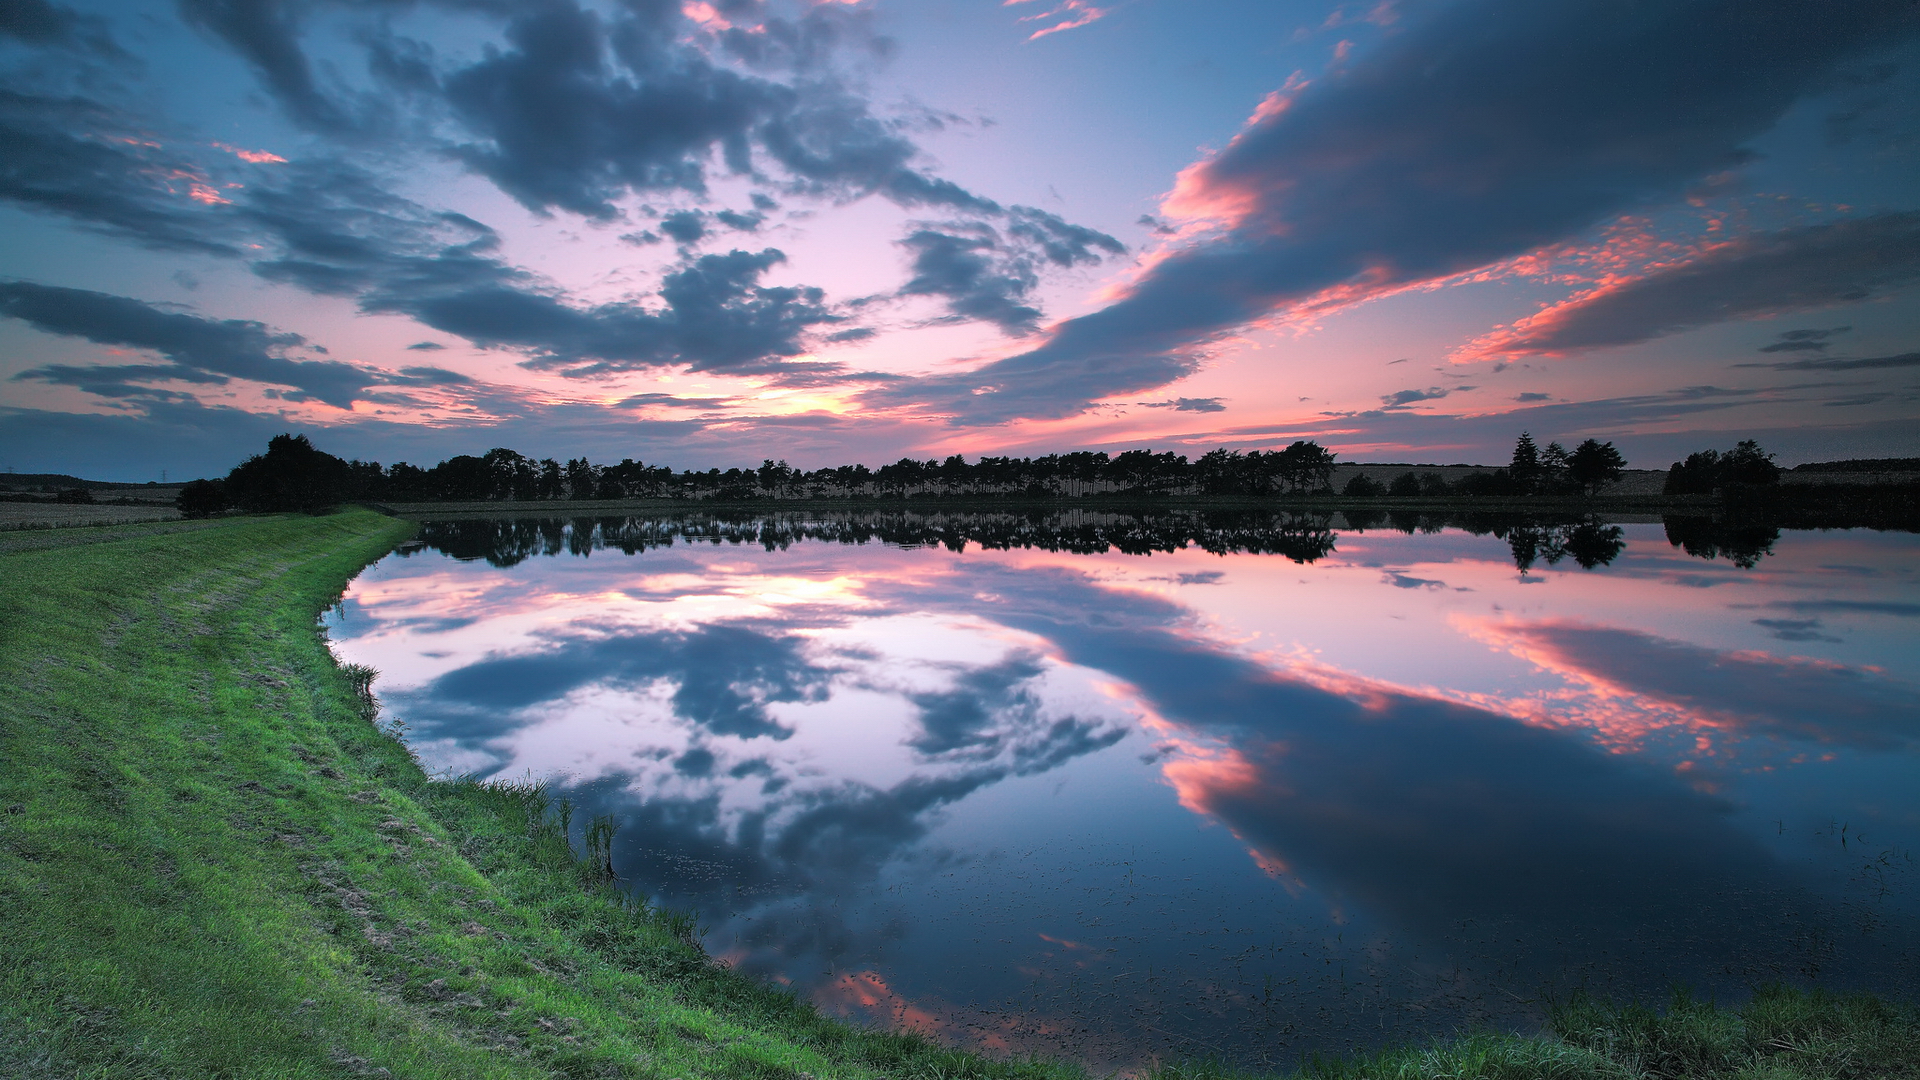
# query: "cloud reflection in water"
852,760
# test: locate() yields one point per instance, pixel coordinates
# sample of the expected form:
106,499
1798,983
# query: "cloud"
37,22
1835,363
89,163
264,33
1531,397
1798,269
645,112
685,227
202,350
1795,629
1187,404
335,230
1402,398
986,274
724,675
1433,815
1809,700
1805,340
1073,14
1480,134
425,346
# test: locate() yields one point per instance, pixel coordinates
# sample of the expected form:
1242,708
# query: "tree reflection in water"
1304,537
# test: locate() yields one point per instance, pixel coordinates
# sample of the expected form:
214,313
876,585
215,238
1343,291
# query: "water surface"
1128,789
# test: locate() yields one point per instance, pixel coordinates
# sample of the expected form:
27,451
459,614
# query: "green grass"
214,864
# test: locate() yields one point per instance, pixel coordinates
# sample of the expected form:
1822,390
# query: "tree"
1525,468
1705,470
1593,465
1404,486
1553,468
202,498
580,479
291,475
1746,463
1306,466
550,484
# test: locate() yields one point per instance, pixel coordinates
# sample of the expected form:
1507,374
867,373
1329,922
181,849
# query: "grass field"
213,863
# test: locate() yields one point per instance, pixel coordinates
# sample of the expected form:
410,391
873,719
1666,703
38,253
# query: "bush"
1363,487
202,498
1404,486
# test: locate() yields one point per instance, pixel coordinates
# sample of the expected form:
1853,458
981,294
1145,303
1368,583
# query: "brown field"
24,515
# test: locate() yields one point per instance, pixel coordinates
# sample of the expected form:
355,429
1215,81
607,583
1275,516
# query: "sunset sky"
712,232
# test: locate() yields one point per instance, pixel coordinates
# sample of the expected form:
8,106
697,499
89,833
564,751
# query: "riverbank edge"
214,862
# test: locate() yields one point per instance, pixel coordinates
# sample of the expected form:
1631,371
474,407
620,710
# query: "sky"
707,233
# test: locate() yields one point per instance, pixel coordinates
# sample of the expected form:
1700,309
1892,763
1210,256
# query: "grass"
214,864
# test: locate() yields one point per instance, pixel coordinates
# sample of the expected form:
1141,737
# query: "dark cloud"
1799,699
960,264
1798,269
1189,404
37,22
967,717
641,110
341,233
725,676
1531,397
88,163
580,109
1870,607
685,227
734,219
1439,817
1401,398
425,346
1836,363
202,350
1480,133
1805,340
670,401
265,33
985,274
1795,629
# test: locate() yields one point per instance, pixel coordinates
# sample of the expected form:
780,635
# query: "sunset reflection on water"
1128,806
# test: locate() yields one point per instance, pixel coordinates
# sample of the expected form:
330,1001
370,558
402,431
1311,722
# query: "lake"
1244,786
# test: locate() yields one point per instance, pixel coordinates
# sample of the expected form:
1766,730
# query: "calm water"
1122,789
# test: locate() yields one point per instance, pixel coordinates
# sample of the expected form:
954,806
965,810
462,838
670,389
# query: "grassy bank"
212,863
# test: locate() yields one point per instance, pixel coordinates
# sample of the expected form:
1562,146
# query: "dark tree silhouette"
202,498
291,475
1706,470
1526,469
1594,465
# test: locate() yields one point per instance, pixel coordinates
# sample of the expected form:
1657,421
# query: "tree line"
293,474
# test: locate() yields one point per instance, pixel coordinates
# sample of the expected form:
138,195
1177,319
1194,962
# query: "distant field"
24,515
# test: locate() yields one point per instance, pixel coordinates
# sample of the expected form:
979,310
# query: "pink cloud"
1075,13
